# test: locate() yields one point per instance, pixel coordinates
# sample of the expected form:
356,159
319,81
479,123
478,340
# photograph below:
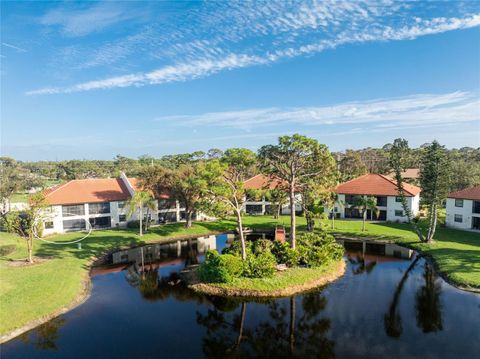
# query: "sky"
90,80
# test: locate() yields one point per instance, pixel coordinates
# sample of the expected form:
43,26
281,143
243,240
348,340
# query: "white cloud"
85,20
221,36
383,114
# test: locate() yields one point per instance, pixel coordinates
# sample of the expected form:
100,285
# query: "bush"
315,249
135,224
262,246
284,254
7,249
220,268
259,266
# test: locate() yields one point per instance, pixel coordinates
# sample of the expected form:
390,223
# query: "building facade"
100,203
385,191
463,209
260,205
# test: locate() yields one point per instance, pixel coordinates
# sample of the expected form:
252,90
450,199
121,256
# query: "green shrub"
262,246
7,249
220,268
259,266
284,254
316,249
135,224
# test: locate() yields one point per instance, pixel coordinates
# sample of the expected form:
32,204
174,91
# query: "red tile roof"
261,181
375,185
88,191
467,193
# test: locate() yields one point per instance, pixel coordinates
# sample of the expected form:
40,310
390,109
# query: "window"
476,207
48,225
458,202
167,204
100,222
398,199
458,218
382,201
122,218
73,210
99,208
74,225
121,204
398,213
350,199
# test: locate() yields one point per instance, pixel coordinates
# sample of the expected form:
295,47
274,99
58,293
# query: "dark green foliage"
317,249
261,265
7,249
135,224
262,246
220,268
284,254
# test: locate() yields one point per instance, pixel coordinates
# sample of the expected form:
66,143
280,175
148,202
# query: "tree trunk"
242,322
240,231
292,215
431,212
141,220
188,223
333,220
30,248
292,324
434,224
279,209
364,219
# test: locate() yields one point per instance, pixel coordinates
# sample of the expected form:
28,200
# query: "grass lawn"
31,293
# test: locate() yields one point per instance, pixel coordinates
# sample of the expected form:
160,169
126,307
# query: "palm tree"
138,202
365,203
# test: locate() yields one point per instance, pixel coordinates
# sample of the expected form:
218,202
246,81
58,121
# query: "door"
476,223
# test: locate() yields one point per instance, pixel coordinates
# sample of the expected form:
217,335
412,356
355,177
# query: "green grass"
281,280
19,197
35,292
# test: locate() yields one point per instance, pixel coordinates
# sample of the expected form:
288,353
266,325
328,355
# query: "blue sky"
96,79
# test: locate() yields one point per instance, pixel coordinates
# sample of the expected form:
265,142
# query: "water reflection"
140,308
393,319
285,331
428,305
45,336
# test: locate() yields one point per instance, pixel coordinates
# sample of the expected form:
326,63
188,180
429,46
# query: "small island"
270,268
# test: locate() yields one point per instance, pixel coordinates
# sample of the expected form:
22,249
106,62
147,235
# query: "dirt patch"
26,263
211,289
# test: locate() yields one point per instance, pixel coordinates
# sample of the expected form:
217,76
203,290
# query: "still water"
389,304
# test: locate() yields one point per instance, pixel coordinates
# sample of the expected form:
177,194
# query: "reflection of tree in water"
428,305
46,335
360,265
392,319
282,335
153,287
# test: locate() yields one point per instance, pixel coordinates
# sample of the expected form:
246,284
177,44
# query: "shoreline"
335,272
94,260
85,292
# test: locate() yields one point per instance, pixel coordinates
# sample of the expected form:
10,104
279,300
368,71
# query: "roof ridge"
58,187
391,180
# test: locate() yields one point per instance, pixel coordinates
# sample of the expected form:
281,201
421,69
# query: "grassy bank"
456,253
35,292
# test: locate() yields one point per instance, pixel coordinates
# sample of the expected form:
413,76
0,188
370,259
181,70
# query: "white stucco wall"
412,202
465,212
285,208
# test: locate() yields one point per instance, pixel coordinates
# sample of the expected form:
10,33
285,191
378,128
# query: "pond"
390,303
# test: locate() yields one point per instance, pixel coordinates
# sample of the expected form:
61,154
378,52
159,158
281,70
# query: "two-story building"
463,209
100,203
385,191
261,205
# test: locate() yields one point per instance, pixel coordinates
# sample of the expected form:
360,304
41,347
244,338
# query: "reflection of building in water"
371,247
158,252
